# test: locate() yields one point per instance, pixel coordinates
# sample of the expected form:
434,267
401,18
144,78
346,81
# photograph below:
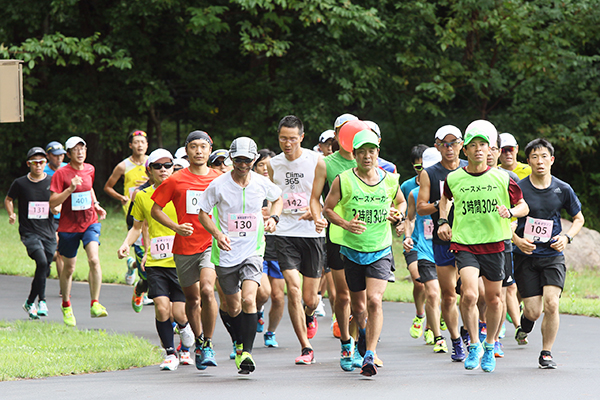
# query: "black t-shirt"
546,204
33,206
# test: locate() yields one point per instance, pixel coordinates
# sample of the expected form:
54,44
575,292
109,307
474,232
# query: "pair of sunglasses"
38,162
244,160
418,167
158,166
508,149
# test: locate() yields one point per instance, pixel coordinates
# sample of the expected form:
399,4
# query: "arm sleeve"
514,192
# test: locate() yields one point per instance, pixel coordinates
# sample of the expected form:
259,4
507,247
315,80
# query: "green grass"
41,349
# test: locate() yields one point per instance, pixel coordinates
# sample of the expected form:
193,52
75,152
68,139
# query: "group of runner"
250,222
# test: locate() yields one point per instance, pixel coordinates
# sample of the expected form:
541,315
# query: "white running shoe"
170,364
185,358
187,336
320,310
147,301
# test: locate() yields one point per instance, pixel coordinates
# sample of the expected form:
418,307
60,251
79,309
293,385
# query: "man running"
36,225
191,246
238,240
73,187
508,156
539,260
55,152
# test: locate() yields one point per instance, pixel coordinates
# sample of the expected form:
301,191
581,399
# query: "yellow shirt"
522,170
133,174
161,246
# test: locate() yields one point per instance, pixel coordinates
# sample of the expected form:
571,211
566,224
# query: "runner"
448,141
191,246
238,240
326,141
483,197
36,225
366,244
179,164
55,152
300,250
219,160
73,187
508,156
181,153
163,285
539,260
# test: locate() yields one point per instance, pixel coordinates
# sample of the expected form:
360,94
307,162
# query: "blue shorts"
442,255
68,242
271,268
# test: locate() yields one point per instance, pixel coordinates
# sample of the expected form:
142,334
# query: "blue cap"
55,148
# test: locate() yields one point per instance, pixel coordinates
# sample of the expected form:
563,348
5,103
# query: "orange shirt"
184,190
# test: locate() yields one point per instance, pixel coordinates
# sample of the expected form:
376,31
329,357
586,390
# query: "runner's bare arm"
117,173
59,198
315,196
519,210
444,231
411,212
130,239
185,229
101,211
276,207
423,205
10,208
223,240
400,204
562,240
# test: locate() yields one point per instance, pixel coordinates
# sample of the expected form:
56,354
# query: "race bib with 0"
81,201
38,210
192,201
242,225
538,230
161,247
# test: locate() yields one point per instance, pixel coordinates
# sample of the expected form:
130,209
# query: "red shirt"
184,189
84,215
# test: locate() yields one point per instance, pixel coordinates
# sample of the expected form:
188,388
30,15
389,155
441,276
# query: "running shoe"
502,333
416,329
475,353
488,361
130,274
261,322
443,324
170,363
185,358
42,309
311,326
147,301
498,352
368,367
377,361
458,350
392,277
466,338
187,336
320,310
482,331
428,336
208,356
361,343
270,340
198,358
68,317
137,302
347,356
440,346
521,336
545,361
247,364
31,310
232,355
335,327
357,359
239,349
98,311
307,357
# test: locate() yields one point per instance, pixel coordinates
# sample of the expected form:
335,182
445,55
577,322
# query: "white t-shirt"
295,178
237,212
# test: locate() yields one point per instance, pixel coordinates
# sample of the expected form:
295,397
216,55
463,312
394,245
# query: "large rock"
584,252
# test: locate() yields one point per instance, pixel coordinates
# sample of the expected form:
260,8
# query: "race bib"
538,230
293,202
81,201
428,229
161,247
38,210
192,201
242,225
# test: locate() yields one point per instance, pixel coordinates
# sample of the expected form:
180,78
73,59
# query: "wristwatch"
275,217
436,204
442,221
569,238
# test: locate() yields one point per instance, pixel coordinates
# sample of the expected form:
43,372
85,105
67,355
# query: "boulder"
584,252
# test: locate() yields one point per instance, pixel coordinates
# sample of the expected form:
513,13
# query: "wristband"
276,218
442,221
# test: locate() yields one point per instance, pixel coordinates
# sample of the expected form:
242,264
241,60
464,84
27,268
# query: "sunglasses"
218,162
139,133
418,167
242,160
508,149
37,162
157,166
448,145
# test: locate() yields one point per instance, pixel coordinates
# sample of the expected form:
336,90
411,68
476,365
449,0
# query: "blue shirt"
424,247
50,173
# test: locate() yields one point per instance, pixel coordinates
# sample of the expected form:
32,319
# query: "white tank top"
295,178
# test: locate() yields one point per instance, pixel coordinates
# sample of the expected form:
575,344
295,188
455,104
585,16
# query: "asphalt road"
411,369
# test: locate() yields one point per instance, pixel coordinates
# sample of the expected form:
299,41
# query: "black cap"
34,151
195,135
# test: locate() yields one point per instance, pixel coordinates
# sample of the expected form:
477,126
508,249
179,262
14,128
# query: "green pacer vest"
476,218
372,204
336,164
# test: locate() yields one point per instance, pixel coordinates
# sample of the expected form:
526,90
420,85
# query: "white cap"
181,161
506,139
180,153
157,155
448,130
243,147
374,127
431,156
342,119
481,126
74,141
317,149
326,135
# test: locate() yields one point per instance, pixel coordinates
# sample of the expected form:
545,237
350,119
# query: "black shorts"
34,242
410,257
356,274
508,269
533,273
490,265
333,258
307,255
427,271
164,282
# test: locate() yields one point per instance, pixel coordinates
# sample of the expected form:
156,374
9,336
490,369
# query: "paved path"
411,369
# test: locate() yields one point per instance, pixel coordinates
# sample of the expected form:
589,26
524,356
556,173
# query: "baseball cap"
374,127
482,129
157,155
506,139
55,148
74,141
243,147
342,119
365,137
182,162
180,153
448,130
34,151
431,156
195,135
326,135
219,153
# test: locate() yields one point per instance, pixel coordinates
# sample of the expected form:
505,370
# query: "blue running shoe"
488,361
261,322
482,331
361,343
198,358
270,340
368,367
458,351
232,355
347,356
475,353
357,360
498,352
502,331
208,356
